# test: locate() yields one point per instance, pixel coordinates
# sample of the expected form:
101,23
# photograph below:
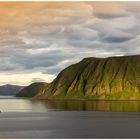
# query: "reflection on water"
95,105
26,105
21,105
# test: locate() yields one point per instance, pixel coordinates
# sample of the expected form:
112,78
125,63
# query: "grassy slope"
33,90
98,78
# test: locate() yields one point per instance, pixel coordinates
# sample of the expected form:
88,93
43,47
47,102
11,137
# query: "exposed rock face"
97,78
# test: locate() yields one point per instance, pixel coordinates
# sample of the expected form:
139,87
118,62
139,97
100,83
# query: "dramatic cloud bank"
39,39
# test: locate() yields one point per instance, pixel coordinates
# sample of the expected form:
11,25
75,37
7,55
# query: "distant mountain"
113,78
10,90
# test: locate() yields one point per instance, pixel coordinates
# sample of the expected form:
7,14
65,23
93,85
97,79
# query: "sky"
39,39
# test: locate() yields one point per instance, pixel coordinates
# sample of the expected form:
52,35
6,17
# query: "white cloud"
26,78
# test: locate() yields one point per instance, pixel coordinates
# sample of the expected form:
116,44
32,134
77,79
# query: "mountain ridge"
111,78
10,90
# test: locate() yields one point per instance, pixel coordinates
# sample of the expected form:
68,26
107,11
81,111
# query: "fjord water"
31,105
29,118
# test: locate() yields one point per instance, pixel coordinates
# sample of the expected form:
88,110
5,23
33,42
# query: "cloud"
117,37
108,10
39,39
37,80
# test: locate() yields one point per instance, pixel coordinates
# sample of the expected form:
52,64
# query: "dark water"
70,124
27,105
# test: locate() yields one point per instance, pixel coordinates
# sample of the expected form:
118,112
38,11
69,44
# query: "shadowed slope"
33,90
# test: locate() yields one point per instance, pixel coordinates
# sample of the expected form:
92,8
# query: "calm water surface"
24,118
31,105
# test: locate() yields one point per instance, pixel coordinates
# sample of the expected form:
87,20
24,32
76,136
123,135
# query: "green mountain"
114,78
33,90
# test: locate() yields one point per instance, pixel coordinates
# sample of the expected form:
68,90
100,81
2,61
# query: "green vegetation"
33,90
113,78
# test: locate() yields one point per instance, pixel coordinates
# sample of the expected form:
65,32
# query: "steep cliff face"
98,78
